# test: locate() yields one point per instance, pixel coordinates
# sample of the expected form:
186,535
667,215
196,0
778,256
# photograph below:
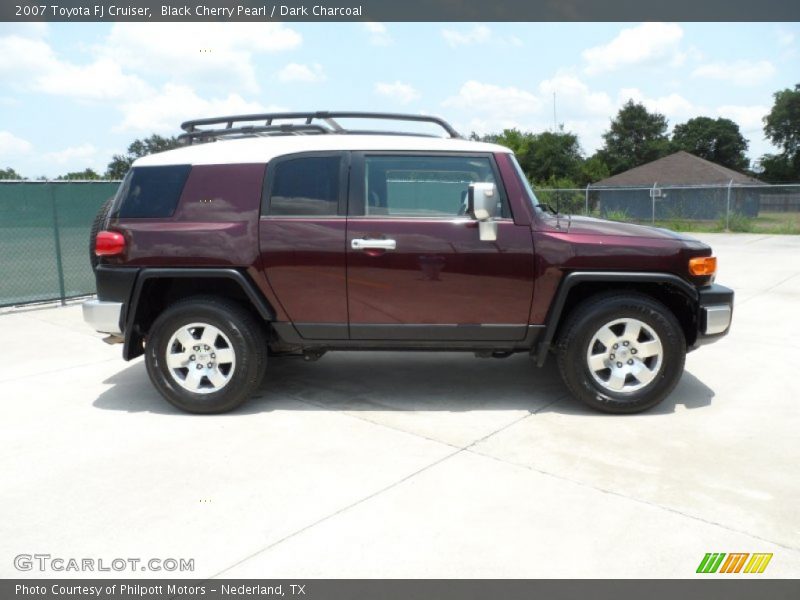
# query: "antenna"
555,122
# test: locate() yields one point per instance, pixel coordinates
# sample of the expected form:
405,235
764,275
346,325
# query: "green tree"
593,169
120,163
782,128
544,157
9,173
85,174
635,137
717,140
554,155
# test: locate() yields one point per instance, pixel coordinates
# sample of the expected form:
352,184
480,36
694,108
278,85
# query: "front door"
416,267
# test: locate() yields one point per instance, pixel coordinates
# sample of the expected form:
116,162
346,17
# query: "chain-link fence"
44,238
760,208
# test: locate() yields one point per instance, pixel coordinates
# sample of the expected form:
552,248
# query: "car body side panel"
215,223
303,260
440,273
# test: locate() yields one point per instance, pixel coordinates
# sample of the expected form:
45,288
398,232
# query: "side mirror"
482,206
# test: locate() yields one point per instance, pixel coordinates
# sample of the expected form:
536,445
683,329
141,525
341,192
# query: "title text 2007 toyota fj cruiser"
288,233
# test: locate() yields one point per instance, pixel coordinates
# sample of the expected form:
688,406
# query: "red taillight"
109,243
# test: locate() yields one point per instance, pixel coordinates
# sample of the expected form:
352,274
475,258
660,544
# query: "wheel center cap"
623,353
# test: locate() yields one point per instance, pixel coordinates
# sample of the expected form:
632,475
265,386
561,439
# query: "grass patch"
772,223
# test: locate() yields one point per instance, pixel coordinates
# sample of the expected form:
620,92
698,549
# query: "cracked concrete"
410,465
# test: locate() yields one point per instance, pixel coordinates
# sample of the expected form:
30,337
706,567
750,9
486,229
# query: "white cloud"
100,80
297,73
33,29
37,67
785,38
749,118
494,100
82,153
673,106
573,97
184,52
174,103
477,35
12,146
31,55
740,72
379,34
643,44
402,92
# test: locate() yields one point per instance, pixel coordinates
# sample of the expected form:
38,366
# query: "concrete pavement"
411,465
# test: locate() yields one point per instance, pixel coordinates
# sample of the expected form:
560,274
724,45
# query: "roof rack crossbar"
236,124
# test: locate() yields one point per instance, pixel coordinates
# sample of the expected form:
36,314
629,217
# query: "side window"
305,186
152,192
423,186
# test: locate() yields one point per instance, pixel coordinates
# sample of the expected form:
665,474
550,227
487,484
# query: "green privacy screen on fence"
44,238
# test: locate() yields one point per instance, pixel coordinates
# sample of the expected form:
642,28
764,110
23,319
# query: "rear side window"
151,192
305,186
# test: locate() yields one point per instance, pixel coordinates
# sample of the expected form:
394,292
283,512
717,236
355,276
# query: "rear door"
416,267
302,238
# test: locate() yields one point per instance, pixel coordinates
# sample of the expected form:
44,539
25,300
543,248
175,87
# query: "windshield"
525,183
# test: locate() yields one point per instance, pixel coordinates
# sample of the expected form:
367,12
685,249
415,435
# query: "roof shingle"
680,168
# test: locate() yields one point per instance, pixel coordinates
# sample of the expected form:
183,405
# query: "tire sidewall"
576,370
246,368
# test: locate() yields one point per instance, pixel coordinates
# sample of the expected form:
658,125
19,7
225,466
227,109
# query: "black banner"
712,588
400,10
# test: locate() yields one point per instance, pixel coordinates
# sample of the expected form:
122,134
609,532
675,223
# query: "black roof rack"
204,130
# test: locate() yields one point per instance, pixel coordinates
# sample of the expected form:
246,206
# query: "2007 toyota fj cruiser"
288,233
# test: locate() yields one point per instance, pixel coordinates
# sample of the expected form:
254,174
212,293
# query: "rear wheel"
206,354
621,353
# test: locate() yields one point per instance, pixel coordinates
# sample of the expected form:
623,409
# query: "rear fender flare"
132,346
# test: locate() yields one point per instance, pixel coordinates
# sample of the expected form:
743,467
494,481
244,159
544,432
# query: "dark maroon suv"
290,234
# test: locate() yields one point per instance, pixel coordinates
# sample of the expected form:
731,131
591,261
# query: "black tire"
247,340
97,225
579,330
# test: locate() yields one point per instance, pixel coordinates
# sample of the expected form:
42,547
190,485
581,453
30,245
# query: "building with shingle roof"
680,168
680,185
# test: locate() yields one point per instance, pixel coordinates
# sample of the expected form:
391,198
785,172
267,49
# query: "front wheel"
206,355
621,353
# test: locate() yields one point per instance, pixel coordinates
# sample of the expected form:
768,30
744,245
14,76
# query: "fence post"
57,242
653,198
728,209
586,201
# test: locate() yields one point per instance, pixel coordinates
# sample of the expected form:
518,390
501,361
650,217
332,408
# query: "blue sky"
74,94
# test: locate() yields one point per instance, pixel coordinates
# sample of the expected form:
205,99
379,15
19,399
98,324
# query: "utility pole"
555,122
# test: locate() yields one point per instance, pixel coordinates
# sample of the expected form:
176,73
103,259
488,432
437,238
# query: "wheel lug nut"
213,355
633,350
210,365
192,357
619,364
205,347
616,346
199,366
611,357
625,343
197,348
630,362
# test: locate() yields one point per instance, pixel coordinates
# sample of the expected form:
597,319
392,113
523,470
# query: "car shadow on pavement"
391,381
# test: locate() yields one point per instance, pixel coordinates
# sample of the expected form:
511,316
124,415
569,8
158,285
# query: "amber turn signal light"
703,265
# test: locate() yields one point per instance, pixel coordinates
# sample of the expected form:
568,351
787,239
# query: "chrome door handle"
361,244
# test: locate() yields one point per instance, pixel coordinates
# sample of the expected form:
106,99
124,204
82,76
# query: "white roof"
263,149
